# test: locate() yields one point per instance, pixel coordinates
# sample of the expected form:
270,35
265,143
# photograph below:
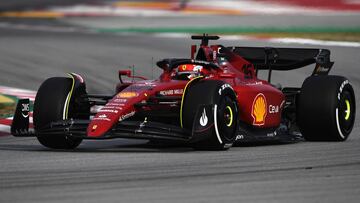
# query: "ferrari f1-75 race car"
209,101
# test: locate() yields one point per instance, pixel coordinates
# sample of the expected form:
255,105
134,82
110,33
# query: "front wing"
78,128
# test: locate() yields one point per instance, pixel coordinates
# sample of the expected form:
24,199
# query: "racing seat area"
172,66
172,63
181,76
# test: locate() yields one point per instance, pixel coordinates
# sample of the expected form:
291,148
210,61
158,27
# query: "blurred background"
247,22
326,20
48,38
39,35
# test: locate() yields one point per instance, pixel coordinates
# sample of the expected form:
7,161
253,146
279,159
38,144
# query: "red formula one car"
209,101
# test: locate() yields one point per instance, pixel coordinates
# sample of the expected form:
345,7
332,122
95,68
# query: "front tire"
51,104
326,108
222,96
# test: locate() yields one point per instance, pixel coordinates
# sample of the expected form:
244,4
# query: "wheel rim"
228,116
348,109
346,112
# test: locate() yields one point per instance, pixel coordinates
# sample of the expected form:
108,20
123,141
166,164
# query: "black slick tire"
50,101
326,108
222,96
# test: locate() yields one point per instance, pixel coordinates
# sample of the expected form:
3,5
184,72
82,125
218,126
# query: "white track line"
4,129
20,93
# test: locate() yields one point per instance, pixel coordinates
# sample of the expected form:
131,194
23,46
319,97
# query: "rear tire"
326,108
49,106
208,92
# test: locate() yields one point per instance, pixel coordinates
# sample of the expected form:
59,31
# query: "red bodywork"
260,104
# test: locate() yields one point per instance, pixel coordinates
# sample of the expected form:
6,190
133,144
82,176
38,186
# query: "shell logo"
258,111
127,94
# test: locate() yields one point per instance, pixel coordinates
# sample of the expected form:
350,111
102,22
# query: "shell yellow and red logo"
259,108
127,94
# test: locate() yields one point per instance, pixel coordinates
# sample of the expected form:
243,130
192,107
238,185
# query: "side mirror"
128,74
125,73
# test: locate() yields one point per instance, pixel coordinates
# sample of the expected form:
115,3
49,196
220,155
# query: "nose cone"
119,108
98,128
101,124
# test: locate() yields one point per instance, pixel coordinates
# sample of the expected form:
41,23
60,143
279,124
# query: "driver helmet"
189,71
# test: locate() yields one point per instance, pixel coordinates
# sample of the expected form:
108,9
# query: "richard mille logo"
203,119
25,110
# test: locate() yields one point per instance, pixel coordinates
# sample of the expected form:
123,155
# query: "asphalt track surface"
135,171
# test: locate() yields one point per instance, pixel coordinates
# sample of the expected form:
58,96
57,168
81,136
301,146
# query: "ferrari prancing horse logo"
258,111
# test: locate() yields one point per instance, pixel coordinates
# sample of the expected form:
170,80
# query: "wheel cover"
346,112
228,116
348,109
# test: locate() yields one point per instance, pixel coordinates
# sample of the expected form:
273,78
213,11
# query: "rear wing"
283,59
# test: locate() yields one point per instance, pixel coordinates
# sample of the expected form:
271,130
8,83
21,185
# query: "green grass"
8,109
